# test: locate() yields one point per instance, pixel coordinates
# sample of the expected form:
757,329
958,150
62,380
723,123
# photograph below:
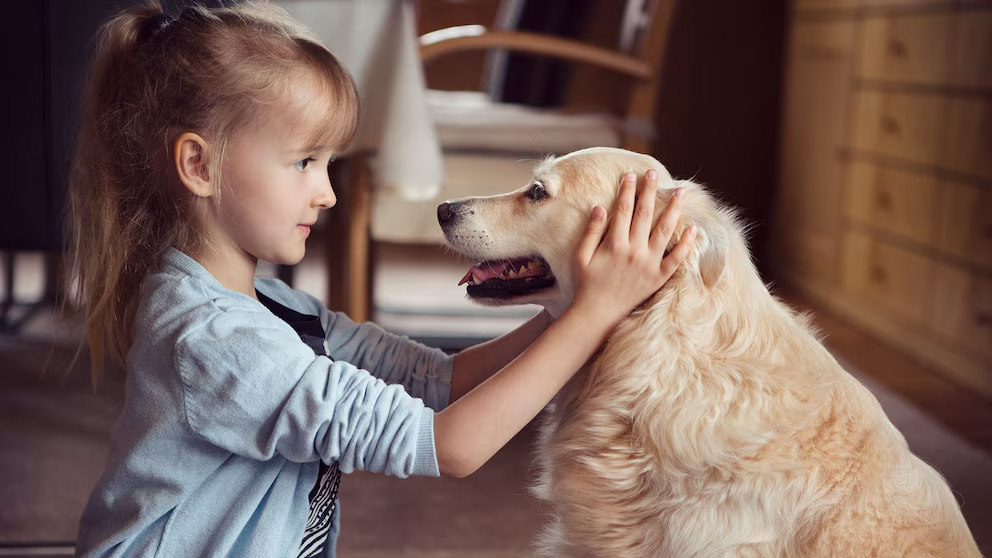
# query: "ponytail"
110,250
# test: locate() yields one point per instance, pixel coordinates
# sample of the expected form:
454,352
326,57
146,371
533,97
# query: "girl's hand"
615,274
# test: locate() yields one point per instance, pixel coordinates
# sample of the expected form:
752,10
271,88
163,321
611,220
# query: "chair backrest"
637,26
643,33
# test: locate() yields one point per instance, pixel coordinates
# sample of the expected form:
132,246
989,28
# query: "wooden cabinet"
910,49
895,278
965,226
969,136
885,206
972,63
809,217
893,200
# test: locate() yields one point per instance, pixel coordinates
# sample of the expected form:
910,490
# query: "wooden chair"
367,217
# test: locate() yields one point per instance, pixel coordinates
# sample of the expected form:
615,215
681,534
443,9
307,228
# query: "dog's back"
891,502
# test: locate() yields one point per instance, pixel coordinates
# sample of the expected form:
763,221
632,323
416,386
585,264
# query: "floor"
53,429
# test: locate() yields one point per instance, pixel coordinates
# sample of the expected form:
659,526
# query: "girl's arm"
473,428
424,372
611,279
474,365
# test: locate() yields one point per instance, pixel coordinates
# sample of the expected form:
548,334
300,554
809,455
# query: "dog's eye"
537,192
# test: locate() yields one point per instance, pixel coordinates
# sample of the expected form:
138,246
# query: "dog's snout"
446,212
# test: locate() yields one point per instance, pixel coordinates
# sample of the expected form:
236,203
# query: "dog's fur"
713,422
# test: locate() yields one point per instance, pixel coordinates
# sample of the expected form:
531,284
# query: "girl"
203,148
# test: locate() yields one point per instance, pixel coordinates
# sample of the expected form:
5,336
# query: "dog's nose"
444,213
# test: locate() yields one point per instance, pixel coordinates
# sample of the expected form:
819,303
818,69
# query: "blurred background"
854,136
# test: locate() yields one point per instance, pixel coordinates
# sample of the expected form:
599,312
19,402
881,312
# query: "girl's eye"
537,192
302,164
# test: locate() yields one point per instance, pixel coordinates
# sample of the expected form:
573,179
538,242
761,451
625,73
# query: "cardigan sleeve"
251,387
425,372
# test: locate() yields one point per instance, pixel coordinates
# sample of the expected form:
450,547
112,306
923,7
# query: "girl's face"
274,184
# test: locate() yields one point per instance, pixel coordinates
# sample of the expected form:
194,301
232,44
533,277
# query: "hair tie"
153,26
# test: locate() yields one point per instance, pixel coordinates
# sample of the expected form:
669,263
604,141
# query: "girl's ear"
190,154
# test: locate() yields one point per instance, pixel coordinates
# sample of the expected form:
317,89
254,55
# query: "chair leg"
360,216
334,242
347,242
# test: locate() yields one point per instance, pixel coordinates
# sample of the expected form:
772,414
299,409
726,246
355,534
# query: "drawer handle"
883,200
877,275
983,319
897,49
987,231
891,126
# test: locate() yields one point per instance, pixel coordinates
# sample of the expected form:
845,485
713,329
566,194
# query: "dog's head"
526,239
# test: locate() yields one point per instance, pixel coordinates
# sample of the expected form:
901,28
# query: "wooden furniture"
646,34
885,206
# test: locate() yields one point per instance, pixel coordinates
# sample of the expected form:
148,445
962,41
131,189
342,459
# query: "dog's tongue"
485,270
517,268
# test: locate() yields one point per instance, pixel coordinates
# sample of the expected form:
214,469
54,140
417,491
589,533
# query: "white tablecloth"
377,41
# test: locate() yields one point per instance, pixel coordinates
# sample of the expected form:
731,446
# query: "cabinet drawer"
822,40
969,139
897,201
963,308
898,280
814,127
907,48
810,255
972,63
908,126
907,2
821,4
966,222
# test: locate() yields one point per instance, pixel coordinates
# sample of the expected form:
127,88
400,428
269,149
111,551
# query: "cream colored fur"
713,423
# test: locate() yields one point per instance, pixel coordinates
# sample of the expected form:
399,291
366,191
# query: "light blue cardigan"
227,413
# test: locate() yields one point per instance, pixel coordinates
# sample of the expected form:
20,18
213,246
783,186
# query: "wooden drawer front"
897,201
815,113
898,280
810,255
972,61
906,2
969,139
963,308
822,40
909,126
966,222
907,48
821,4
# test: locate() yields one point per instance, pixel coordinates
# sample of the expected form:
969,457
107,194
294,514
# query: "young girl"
204,146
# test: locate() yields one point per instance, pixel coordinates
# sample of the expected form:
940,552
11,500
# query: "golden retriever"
713,423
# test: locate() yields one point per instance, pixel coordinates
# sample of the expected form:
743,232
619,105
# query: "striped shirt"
324,496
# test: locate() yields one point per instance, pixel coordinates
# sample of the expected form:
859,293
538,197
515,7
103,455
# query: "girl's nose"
325,198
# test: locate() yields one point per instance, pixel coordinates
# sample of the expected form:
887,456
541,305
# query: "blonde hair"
152,79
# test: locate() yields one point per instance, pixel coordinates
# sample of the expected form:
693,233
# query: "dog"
713,422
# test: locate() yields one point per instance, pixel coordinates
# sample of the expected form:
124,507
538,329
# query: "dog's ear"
714,247
712,234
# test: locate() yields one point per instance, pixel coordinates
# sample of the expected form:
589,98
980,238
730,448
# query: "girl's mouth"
305,229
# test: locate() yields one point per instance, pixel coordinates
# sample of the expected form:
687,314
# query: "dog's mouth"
508,278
